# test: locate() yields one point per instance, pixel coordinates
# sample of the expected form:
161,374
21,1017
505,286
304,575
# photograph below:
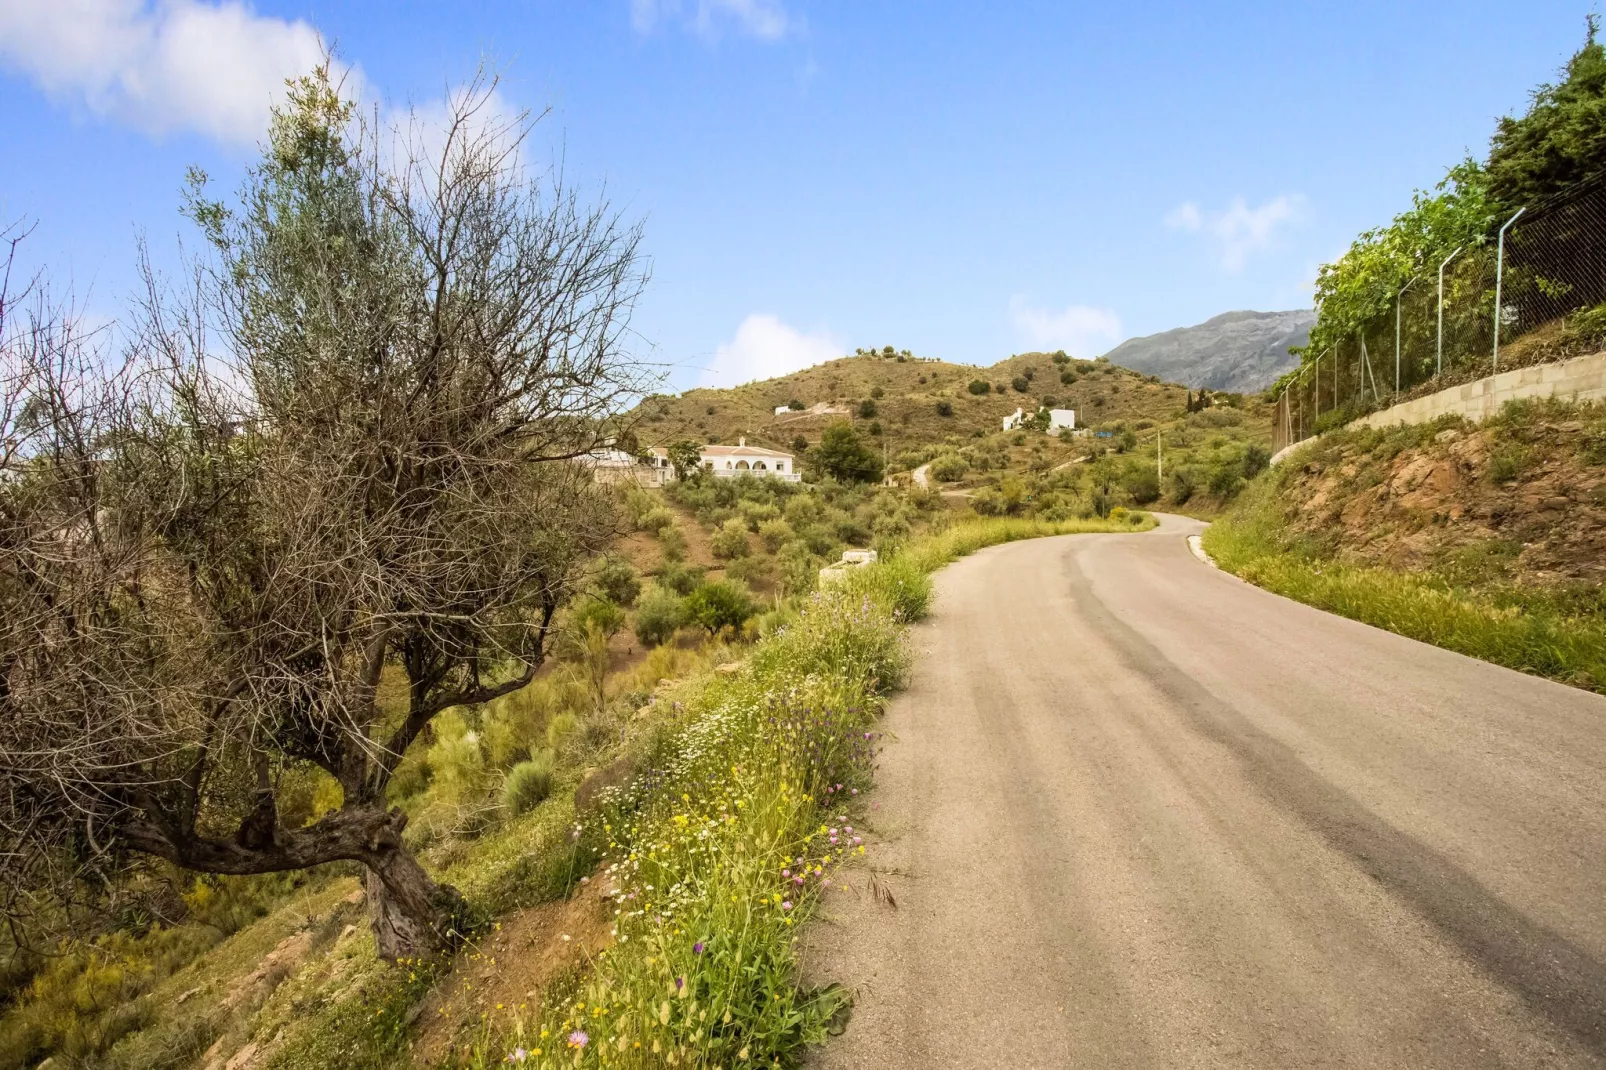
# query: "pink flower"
578,1039
787,905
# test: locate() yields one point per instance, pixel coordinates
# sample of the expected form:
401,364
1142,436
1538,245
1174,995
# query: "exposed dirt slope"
1521,497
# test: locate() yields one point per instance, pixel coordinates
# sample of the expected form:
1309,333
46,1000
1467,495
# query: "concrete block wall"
1581,378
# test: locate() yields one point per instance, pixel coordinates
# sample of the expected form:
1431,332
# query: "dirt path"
1137,813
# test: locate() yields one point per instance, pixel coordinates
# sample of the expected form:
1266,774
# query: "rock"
616,774
183,996
355,898
1449,434
1556,503
729,667
243,1058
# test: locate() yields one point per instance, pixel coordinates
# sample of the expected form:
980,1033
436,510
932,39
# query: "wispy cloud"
763,348
1238,230
167,66
764,19
1080,330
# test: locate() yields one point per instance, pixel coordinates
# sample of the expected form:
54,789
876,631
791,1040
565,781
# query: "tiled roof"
742,451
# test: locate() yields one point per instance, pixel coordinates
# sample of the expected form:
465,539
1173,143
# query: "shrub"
1509,461
730,541
795,405
898,584
618,581
1060,357
945,408
656,520
528,784
949,467
875,429
1184,481
1225,480
799,443
560,728
866,409
773,533
754,513
1021,384
980,387
1067,377
718,605
1256,460
659,614
1143,485
841,456
607,617
680,578
800,569
877,393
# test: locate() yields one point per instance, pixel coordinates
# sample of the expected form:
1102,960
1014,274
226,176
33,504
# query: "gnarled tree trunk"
412,915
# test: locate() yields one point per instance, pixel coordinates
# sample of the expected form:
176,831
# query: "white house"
614,465
742,459
782,410
1058,420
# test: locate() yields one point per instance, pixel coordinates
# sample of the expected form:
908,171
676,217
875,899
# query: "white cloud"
763,348
1080,330
1238,229
163,66
764,19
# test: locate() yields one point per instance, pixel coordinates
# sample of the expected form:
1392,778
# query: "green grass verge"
1545,632
717,854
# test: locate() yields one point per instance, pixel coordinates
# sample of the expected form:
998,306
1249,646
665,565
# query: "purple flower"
517,1055
578,1039
786,873
697,948
680,982
787,905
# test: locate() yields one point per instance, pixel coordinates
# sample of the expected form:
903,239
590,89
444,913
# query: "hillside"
906,396
1243,352
1485,538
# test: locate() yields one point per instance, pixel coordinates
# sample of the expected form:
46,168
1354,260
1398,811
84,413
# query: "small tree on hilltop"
205,570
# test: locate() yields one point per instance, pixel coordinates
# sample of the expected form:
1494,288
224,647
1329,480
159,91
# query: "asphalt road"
1137,813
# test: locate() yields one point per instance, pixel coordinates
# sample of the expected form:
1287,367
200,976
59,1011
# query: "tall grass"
1533,630
725,844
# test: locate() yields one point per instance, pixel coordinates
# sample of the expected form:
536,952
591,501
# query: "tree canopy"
842,456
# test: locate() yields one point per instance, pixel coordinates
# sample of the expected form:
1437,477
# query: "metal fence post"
1438,368
1397,299
1499,272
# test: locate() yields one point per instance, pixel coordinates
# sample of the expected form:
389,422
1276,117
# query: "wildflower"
578,1039
787,905
697,948
517,1055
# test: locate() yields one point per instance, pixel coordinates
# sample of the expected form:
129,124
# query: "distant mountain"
1239,351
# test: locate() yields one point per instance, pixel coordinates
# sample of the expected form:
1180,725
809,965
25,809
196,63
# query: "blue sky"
965,180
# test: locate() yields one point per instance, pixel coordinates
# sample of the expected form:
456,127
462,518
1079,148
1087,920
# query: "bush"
718,605
1060,357
607,617
795,405
1257,459
1225,480
730,541
898,584
799,443
682,579
1143,485
773,533
877,393
866,409
1021,384
1067,377
841,456
949,467
659,614
528,784
945,408
656,520
618,581
800,569
980,387
1184,481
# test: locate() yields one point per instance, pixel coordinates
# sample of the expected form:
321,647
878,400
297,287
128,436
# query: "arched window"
758,466
741,466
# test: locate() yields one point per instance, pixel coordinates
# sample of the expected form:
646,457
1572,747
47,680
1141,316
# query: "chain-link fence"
1543,267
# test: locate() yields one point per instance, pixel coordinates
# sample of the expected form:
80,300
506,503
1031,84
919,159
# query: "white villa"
1058,420
613,465
743,459
737,460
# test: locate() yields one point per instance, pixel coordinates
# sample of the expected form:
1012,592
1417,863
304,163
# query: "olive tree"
343,448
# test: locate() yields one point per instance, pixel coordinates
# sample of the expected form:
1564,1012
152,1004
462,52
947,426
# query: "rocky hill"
1242,352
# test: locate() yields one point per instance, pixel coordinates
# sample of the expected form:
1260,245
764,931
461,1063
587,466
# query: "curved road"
1136,813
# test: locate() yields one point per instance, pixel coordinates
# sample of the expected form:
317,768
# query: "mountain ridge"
1243,351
